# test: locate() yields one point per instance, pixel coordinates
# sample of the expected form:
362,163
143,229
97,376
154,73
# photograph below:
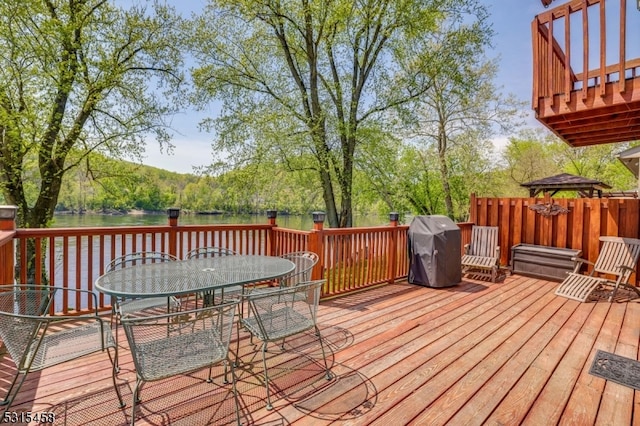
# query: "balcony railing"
350,259
586,72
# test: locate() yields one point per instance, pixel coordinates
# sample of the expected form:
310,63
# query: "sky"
511,21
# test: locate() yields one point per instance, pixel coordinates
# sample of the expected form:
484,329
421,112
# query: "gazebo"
566,182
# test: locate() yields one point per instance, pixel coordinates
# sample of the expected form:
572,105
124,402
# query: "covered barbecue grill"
434,252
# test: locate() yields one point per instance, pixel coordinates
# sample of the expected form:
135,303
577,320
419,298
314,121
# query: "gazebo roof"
566,182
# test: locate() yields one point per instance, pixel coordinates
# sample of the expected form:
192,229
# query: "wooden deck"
477,353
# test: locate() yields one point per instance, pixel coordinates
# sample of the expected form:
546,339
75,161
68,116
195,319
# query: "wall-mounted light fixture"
8,212
638,4
318,217
173,213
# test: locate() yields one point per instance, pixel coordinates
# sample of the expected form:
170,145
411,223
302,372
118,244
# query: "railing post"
173,214
7,251
315,243
8,218
271,240
392,249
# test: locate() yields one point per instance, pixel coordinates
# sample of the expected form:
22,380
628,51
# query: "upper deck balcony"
586,71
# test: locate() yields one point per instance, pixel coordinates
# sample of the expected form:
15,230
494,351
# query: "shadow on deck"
477,353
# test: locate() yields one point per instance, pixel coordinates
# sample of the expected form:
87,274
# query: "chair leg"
114,371
235,393
8,400
266,374
226,371
136,400
115,318
236,361
324,356
209,379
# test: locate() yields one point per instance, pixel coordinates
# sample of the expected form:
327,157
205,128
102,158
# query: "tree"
73,79
598,162
297,77
529,157
463,108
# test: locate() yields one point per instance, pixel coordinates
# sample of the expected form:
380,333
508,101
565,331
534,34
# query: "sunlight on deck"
478,353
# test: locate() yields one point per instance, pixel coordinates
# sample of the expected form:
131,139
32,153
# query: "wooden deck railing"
587,219
586,71
350,259
289,240
355,258
553,73
7,233
6,256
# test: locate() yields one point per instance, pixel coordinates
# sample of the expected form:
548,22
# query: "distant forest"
103,185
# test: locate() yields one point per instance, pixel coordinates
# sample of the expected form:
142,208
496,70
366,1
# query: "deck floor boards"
501,353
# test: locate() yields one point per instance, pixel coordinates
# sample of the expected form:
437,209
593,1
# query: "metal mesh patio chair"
278,313
208,297
202,341
304,262
36,339
121,306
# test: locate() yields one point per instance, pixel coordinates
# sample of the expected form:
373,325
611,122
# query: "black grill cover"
434,252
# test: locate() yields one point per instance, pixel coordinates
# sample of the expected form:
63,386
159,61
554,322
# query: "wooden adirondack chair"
482,255
618,257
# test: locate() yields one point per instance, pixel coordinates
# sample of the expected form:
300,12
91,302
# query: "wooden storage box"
552,263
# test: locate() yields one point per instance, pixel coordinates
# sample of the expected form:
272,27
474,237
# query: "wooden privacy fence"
585,220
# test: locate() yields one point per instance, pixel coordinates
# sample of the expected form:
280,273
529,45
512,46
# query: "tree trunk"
329,200
39,216
346,180
444,172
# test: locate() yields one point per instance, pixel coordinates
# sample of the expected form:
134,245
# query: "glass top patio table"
193,275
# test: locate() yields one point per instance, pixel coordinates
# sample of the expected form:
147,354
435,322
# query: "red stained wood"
601,92
510,352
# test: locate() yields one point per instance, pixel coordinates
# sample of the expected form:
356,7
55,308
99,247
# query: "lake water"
304,223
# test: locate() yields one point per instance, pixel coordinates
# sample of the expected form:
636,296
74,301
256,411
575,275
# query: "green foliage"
75,78
535,155
302,84
365,107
